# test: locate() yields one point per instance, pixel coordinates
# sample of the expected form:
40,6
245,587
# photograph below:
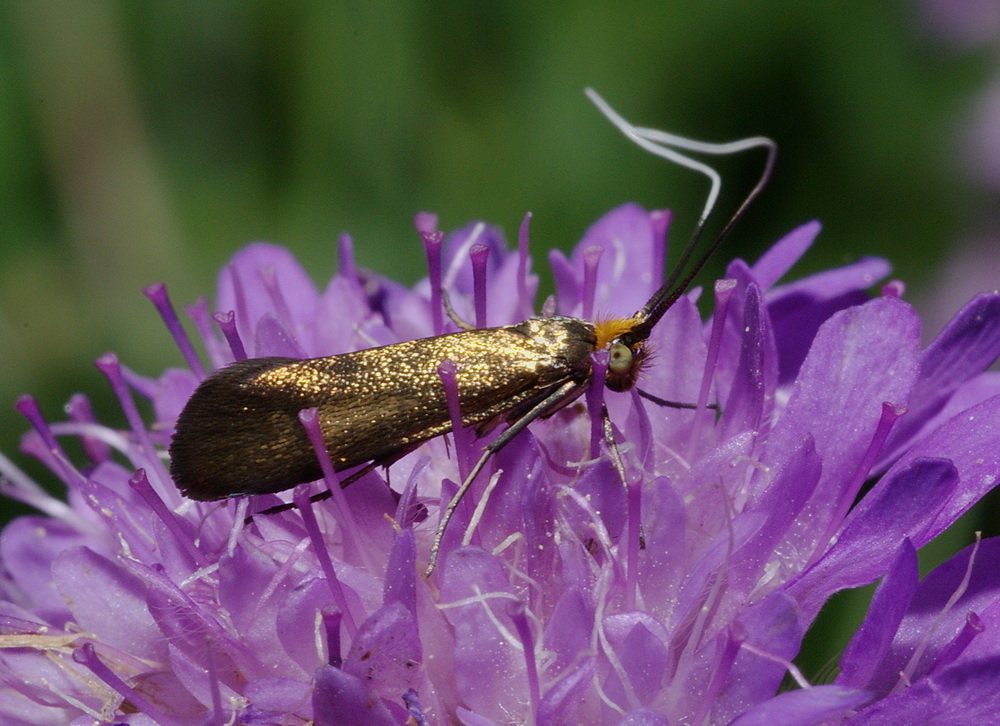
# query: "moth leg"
570,388
609,439
318,497
446,301
326,493
616,459
672,404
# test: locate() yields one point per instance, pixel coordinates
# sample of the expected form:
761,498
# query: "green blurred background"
149,141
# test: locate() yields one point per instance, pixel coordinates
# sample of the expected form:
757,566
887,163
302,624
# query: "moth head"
627,353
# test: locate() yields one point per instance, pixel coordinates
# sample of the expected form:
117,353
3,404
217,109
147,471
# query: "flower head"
561,595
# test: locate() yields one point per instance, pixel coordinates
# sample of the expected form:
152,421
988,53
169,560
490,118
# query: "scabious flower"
561,596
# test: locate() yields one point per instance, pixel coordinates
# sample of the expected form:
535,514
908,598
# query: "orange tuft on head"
608,329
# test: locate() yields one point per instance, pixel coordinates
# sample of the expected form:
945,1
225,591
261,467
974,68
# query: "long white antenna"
663,144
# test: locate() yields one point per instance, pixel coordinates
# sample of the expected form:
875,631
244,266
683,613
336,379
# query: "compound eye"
620,358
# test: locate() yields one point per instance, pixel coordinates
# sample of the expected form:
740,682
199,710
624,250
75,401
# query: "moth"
240,434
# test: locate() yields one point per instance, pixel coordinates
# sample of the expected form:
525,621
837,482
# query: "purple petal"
272,337
644,717
870,643
626,276
504,304
673,372
471,718
409,313
296,622
960,695
702,574
43,685
662,567
755,372
904,504
678,357
966,24
798,309
342,309
566,700
278,696
570,627
191,631
166,690
746,370
805,707
521,500
972,393
607,501
195,679
971,440
265,279
173,390
931,624
108,602
386,653
28,546
489,671
784,253
386,297
860,358
706,483
774,626
568,288
834,284
340,698
458,265
781,504
401,572
252,588
966,347
370,501
642,654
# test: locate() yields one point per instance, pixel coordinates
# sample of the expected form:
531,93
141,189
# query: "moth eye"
620,358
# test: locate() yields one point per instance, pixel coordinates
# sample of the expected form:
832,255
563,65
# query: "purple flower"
560,596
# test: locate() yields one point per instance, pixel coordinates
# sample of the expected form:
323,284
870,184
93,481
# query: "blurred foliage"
149,141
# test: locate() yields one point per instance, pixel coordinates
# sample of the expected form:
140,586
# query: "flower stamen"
86,655
479,254
516,611
906,676
303,502
157,293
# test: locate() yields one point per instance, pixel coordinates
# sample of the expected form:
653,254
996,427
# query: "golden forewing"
242,423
